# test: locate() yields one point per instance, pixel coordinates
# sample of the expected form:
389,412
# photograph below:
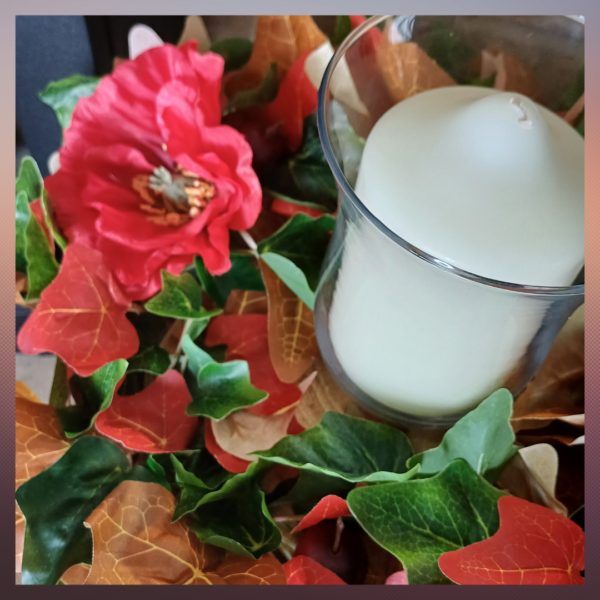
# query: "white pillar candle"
485,181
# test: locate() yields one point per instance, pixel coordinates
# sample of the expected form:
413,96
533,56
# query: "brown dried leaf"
238,570
39,444
511,74
244,432
292,340
135,541
557,391
280,39
76,575
242,302
324,394
407,70
518,479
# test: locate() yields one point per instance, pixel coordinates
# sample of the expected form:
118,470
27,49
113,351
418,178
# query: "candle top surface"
487,181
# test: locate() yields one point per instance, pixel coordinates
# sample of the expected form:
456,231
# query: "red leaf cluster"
302,570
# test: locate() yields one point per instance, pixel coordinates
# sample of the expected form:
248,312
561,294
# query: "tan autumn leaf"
521,481
557,390
408,70
76,575
239,570
242,302
280,39
511,73
292,340
194,29
39,444
542,462
243,432
324,394
135,541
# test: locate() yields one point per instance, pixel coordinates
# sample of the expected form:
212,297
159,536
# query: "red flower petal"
302,570
231,463
247,339
329,507
81,315
152,420
533,546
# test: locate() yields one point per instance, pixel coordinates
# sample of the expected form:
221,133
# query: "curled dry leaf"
407,70
239,570
39,444
243,432
246,337
524,481
302,570
153,420
292,340
329,507
511,74
81,315
542,461
241,302
533,546
323,395
135,541
557,391
279,39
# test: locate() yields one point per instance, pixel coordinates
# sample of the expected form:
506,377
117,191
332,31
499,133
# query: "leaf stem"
249,242
339,527
186,327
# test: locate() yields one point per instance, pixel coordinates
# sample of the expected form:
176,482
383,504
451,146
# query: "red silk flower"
149,176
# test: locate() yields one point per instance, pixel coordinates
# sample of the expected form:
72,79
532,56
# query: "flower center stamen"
173,199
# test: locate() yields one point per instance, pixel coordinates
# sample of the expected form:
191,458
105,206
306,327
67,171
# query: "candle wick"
524,121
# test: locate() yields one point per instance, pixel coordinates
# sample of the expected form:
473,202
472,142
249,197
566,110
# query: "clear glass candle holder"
415,340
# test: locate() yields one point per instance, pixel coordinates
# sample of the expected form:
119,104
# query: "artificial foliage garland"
171,264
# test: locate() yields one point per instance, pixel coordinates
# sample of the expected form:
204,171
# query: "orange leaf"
407,70
329,507
81,315
533,546
153,420
76,575
243,432
241,302
39,444
135,541
280,39
302,570
292,341
238,570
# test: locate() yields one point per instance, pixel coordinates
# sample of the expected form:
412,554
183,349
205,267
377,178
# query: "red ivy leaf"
289,209
81,315
302,570
534,546
398,578
329,507
247,338
231,463
152,420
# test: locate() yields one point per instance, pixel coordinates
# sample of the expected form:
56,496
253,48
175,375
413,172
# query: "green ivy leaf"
236,516
483,437
59,392
242,275
302,242
197,358
265,93
56,502
63,95
449,51
356,450
22,217
306,176
224,388
153,464
29,179
151,329
235,51
151,359
96,392
180,298
48,211
343,26
417,521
